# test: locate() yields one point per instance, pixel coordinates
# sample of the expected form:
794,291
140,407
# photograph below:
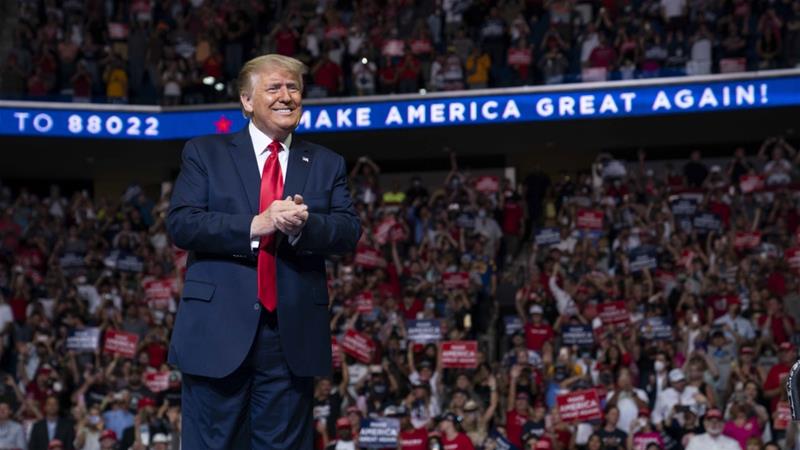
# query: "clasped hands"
287,216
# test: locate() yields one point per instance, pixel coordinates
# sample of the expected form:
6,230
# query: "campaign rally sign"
358,345
642,440
748,91
383,229
613,313
369,258
580,335
455,280
71,262
792,257
398,233
657,329
683,207
547,237
512,324
579,406
782,416
501,442
379,433
745,240
590,219
124,262
121,343
423,331
751,183
157,381
707,222
85,340
364,302
159,292
642,257
487,184
460,354
335,353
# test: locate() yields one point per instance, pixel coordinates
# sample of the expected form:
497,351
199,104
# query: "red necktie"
271,190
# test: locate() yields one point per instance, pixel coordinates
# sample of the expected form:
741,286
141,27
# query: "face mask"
660,366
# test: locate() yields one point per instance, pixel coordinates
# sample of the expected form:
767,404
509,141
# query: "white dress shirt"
260,143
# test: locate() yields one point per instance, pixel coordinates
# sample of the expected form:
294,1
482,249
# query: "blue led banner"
521,105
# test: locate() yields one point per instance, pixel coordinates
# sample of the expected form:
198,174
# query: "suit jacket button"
257,306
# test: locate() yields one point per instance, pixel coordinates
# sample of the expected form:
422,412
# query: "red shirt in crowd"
328,76
602,56
779,334
157,353
773,381
82,86
285,43
460,442
537,335
722,210
38,394
213,66
776,284
514,423
19,307
520,59
410,312
414,439
409,69
719,303
512,218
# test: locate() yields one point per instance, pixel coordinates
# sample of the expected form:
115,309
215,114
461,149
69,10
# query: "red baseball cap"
108,434
54,444
145,401
747,350
644,412
786,346
543,444
714,413
343,422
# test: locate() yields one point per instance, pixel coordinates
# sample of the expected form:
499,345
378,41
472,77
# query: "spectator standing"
477,68
12,435
712,439
51,427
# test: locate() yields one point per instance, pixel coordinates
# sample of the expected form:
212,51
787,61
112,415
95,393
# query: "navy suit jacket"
213,203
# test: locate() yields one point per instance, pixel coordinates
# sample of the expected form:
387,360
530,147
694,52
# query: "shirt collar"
261,140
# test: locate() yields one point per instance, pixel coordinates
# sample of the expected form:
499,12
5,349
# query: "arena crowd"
188,52
635,305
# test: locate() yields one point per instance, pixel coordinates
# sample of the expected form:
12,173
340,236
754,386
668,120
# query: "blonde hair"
255,66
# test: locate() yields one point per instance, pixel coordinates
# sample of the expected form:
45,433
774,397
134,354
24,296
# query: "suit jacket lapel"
299,165
244,159
296,174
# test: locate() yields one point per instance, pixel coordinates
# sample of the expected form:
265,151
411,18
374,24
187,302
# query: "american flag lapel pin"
305,159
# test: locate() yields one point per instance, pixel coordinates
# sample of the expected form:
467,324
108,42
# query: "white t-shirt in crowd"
706,442
670,397
628,408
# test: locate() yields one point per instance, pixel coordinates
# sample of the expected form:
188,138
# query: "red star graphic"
223,125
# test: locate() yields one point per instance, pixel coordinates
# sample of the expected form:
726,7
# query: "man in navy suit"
258,210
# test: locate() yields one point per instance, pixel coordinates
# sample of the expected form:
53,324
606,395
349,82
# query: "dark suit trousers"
260,406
